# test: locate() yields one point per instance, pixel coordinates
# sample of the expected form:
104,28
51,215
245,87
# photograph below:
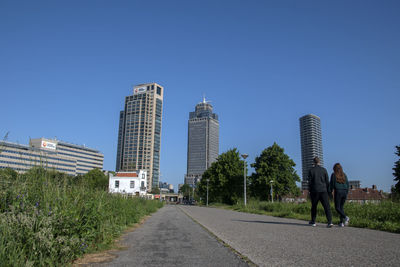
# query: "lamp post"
207,190
272,197
244,156
159,187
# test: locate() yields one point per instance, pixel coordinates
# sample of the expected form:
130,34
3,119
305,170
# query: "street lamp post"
207,190
159,188
244,156
193,193
272,197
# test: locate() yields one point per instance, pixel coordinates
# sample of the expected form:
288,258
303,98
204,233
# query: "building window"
116,184
158,90
132,185
142,184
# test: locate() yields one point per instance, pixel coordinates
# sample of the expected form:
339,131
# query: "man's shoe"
346,220
313,224
329,225
341,224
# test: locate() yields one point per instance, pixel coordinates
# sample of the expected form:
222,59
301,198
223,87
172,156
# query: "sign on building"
139,90
48,145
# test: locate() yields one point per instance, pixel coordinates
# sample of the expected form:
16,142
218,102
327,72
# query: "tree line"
272,168
226,177
396,188
93,179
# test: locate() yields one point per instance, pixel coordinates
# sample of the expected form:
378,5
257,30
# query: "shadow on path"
268,222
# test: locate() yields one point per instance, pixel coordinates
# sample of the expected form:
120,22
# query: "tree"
185,190
95,179
396,174
225,179
273,165
155,190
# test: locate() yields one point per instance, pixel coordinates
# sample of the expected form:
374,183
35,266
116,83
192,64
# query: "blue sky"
66,66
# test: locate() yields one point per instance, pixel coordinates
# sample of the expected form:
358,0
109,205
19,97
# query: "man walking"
318,186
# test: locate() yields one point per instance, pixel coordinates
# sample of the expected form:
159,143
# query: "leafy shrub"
384,216
45,219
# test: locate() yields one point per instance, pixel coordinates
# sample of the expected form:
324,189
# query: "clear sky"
66,66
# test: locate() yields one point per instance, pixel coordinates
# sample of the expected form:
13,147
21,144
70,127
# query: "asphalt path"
200,236
170,238
272,241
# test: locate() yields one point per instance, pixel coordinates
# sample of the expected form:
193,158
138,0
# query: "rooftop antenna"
204,100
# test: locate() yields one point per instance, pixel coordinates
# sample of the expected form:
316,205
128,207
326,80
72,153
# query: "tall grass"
384,216
47,218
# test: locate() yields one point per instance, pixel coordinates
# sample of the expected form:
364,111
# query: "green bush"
383,216
45,219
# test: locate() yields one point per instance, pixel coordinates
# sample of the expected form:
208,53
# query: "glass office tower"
203,141
139,134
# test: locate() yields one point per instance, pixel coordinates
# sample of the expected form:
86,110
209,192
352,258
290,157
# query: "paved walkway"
171,238
272,241
175,236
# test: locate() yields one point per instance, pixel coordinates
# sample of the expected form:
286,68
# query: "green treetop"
185,190
396,174
274,165
225,177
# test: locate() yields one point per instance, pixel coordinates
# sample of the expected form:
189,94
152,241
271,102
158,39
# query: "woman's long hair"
338,170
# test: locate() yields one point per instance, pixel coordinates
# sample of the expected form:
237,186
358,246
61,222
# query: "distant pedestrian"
318,184
340,184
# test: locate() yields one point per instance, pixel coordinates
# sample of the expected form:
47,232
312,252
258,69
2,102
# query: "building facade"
166,187
354,184
139,133
203,141
365,195
311,144
50,154
131,183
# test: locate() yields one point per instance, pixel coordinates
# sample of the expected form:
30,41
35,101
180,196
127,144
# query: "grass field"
48,219
384,216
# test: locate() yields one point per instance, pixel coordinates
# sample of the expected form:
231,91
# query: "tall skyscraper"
311,144
203,141
139,134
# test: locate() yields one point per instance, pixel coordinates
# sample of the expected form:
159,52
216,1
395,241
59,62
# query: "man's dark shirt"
318,180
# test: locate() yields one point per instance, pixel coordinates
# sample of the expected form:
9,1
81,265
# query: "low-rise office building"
50,154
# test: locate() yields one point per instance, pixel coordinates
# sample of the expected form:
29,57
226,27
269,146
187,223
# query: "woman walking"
340,185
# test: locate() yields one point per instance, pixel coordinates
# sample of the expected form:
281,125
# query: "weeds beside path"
108,255
384,216
46,218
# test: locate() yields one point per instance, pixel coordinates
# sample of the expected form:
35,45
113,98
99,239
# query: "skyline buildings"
139,133
87,65
311,144
203,141
50,154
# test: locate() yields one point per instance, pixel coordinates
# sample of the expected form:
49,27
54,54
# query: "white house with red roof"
131,183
